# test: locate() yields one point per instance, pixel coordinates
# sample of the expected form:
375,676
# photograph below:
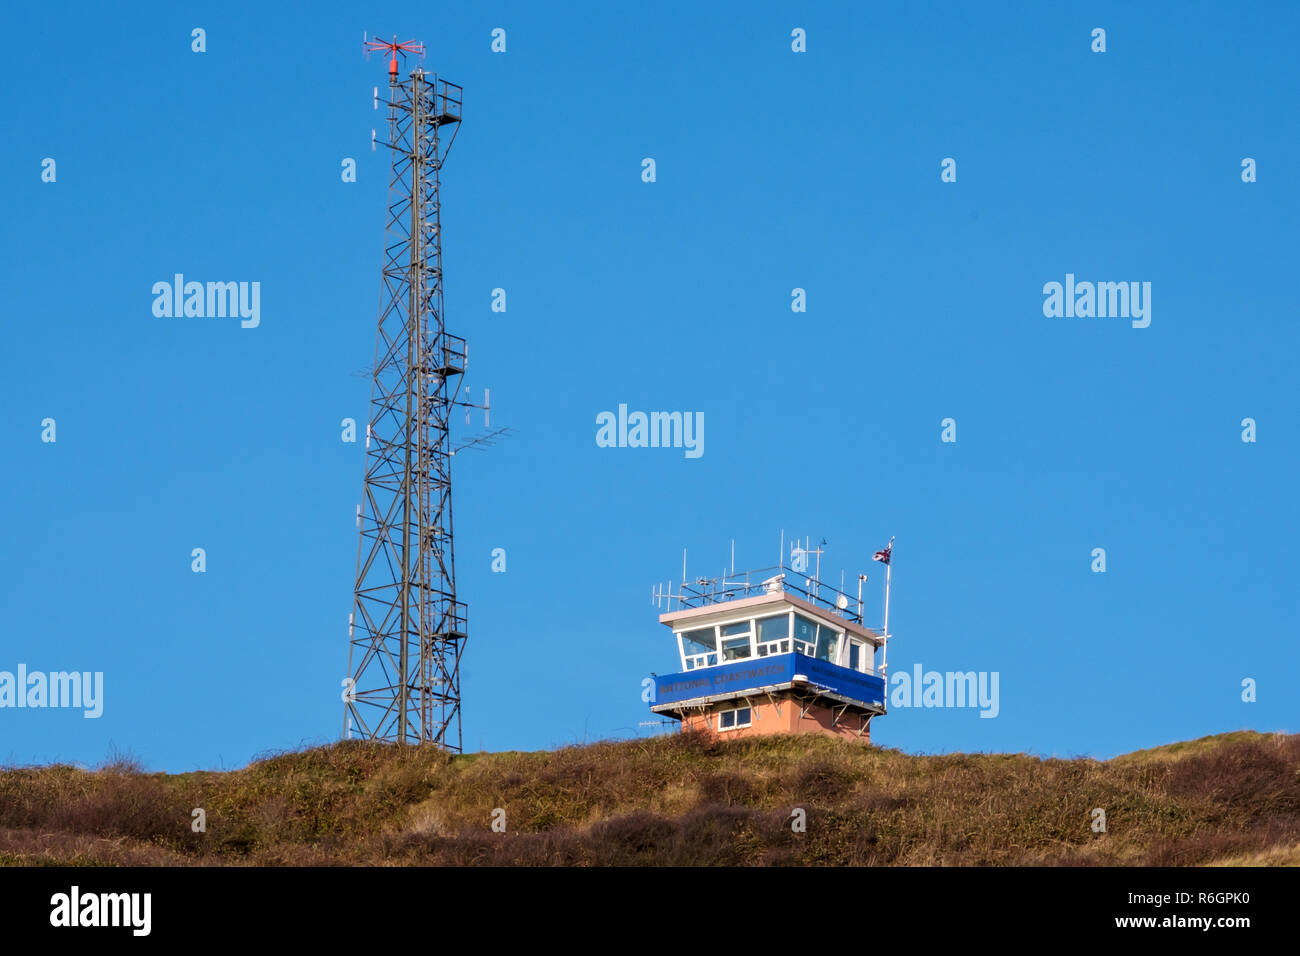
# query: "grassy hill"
1233,798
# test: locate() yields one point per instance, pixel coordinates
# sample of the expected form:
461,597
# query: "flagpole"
888,570
884,644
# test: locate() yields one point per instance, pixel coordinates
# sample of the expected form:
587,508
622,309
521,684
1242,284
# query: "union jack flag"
883,555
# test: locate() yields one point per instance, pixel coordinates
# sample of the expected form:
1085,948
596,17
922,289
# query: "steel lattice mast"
408,631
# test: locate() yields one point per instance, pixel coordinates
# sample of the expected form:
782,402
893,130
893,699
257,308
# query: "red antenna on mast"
394,48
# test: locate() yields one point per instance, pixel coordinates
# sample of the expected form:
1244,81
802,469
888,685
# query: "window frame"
737,725
769,647
839,635
747,635
784,645
690,662
797,642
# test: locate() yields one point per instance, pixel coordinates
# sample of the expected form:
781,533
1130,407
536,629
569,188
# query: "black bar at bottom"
666,908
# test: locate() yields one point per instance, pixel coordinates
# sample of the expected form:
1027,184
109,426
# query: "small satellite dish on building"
841,602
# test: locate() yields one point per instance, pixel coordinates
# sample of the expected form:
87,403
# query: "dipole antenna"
408,630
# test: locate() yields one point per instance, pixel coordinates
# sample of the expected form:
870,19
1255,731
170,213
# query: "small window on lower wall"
734,718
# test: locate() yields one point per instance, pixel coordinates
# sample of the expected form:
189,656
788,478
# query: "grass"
680,799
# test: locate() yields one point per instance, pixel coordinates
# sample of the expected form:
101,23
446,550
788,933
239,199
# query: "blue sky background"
775,170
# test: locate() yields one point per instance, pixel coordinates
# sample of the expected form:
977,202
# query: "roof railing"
770,580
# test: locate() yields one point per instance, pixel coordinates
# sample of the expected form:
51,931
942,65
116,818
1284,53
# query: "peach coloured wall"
769,718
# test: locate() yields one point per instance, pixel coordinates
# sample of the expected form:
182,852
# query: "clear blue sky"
775,170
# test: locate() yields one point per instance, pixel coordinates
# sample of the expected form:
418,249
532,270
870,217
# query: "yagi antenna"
486,440
663,595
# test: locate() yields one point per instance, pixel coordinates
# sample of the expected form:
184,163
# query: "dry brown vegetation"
678,799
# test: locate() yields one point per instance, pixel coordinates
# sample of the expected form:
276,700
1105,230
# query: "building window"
827,643
774,635
805,635
737,641
734,718
855,655
699,648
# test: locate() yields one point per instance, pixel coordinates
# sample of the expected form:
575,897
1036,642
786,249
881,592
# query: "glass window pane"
727,719
855,654
742,715
773,628
735,647
827,643
699,641
740,627
804,629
